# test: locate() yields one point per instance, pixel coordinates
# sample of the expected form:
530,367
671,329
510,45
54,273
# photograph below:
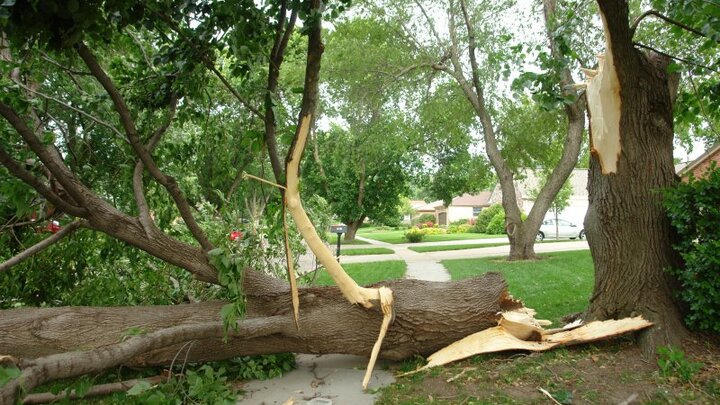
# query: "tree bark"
428,316
629,234
352,228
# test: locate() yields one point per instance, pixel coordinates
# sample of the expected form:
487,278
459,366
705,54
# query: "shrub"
462,228
414,235
497,224
485,216
694,211
434,231
459,222
425,218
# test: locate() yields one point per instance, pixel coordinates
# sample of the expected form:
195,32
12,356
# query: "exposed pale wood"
603,98
498,339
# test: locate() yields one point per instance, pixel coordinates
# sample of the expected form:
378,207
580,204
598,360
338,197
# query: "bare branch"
430,22
18,171
77,110
95,391
72,364
62,67
277,55
138,188
677,58
50,157
42,245
131,131
665,18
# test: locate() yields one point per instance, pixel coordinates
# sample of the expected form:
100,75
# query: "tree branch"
72,364
665,18
677,58
77,110
138,188
42,245
503,172
277,56
50,158
18,171
95,391
131,131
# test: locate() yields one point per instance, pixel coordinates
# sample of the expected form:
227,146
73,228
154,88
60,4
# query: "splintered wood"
518,330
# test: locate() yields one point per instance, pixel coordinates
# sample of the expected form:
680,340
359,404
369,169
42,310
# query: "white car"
564,229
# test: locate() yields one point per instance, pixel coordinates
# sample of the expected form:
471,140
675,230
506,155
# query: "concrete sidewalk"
320,380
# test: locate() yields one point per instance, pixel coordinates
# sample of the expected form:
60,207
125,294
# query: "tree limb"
53,161
138,188
18,171
77,110
128,123
277,56
665,18
95,391
72,364
42,245
504,173
677,58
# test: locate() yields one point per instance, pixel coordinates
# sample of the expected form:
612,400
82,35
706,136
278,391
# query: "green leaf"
7,374
139,388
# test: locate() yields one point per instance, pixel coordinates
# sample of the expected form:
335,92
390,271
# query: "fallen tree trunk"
428,316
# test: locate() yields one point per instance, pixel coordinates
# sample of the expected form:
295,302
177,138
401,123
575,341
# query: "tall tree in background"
471,55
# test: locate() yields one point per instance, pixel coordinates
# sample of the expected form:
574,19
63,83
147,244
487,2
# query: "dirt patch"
605,373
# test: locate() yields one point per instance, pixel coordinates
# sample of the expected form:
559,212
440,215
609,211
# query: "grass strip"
555,285
368,273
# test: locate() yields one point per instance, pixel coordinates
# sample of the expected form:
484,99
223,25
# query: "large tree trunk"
522,241
352,228
629,234
428,316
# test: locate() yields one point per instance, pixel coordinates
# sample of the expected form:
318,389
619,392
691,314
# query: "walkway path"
419,266
414,257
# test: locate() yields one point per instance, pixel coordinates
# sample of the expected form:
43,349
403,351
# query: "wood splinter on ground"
519,330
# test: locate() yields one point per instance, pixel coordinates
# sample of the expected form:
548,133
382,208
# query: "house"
699,166
526,189
466,206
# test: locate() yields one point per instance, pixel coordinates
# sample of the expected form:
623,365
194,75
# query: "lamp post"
338,229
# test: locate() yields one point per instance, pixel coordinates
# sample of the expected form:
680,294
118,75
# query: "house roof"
415,204
472,200
692,165
430,207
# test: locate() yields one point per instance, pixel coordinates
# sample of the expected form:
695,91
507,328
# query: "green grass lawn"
423,249
368,273
556,285
366,251
332,240
398,236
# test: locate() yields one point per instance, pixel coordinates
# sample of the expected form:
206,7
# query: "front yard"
397,236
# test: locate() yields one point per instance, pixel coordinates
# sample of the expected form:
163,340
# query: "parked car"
564,229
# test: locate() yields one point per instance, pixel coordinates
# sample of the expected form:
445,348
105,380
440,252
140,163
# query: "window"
476,211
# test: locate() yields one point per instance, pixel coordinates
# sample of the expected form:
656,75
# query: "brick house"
699,166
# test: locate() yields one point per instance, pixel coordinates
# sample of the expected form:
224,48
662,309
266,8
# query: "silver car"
563,229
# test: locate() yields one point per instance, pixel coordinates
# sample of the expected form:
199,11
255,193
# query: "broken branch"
42,245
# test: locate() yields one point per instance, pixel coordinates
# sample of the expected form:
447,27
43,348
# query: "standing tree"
630,99
471,54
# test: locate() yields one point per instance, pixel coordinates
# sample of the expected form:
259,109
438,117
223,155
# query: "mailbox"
342,228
